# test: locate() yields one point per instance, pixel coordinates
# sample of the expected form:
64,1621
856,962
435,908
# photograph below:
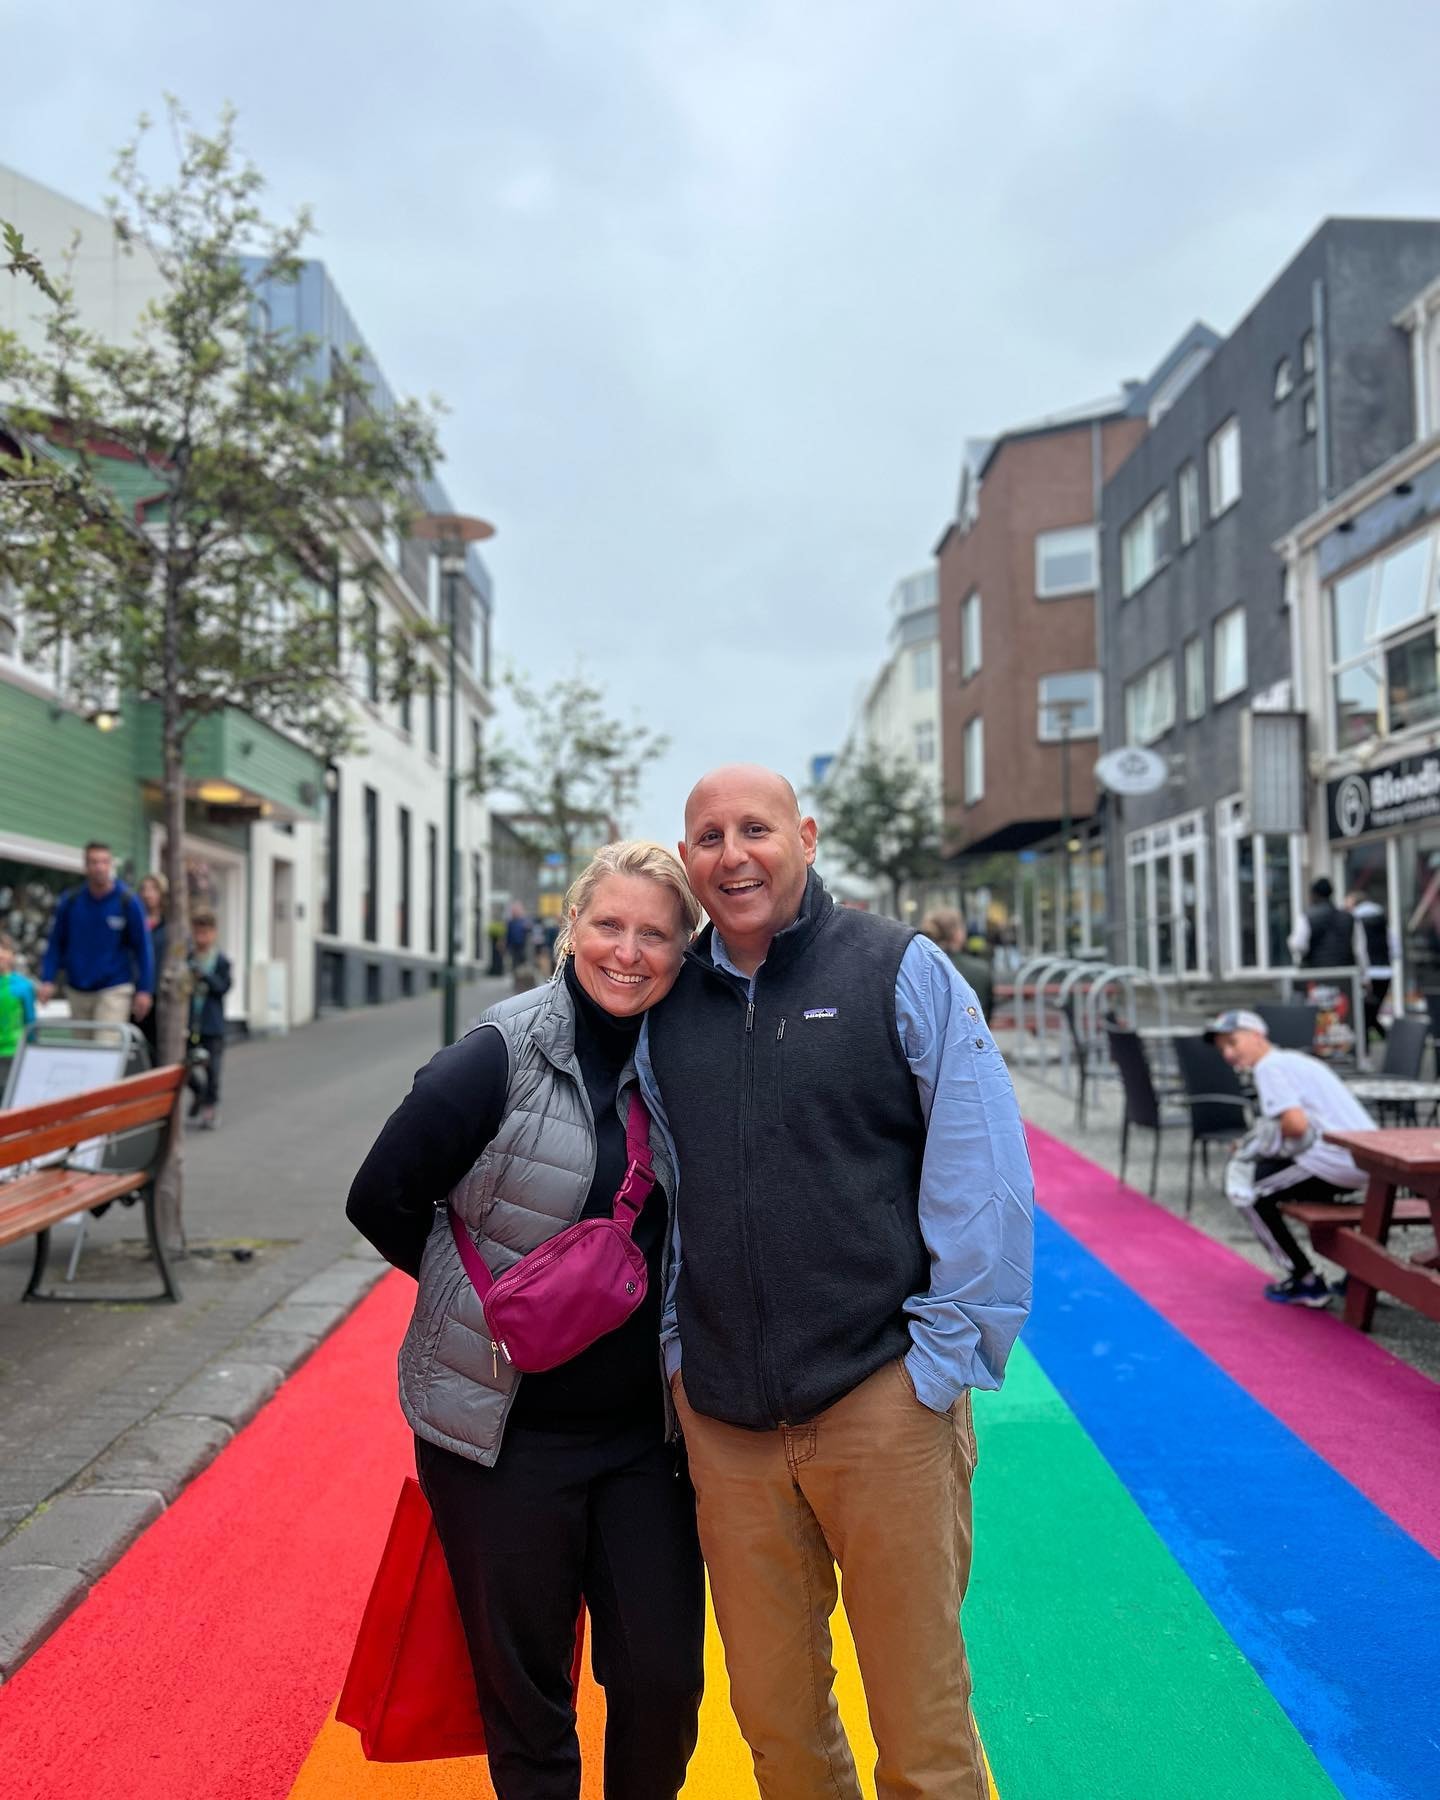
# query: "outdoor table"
1406,1158
1393,1090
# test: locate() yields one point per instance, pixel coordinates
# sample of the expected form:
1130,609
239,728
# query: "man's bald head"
751,776
747,851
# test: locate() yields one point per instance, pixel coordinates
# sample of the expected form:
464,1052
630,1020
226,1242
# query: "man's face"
1242,1049
99,868
7,959
746,851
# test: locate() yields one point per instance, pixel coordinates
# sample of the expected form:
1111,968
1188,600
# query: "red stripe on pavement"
205,1662
1359,1407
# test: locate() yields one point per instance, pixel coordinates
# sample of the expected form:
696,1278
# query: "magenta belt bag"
577,1285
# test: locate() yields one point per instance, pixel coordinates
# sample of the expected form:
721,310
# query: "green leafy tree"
23,261
881,813
233,579
576,768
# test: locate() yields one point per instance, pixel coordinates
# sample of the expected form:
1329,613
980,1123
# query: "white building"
329,884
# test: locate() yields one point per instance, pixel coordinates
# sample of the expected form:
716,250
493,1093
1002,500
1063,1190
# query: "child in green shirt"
17,1008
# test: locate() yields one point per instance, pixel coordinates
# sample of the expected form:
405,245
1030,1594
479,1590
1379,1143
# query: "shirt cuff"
927,1392
672,1358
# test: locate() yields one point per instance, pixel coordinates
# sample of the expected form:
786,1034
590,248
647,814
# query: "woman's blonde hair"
635,857
162,885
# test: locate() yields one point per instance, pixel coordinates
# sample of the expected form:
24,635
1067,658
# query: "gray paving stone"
283,1349
343,1283
163,1454
87,1533
232,1391
313,1321
32,1603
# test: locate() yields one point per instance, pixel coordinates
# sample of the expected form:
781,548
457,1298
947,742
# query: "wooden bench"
1357,1237
38,1199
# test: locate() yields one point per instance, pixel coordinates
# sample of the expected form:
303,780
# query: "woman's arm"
431,1139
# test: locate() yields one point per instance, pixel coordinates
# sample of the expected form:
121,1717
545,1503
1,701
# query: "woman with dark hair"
154,895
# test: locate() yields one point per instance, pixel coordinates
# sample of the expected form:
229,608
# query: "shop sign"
1132,770
1402,793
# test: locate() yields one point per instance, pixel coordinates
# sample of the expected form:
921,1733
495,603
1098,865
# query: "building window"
1284,380
477,753
330,897
1385,662
432,888
1166,875
922,668
1224,457
974,742
370,652
925,741
1150,703
1142,544
432,586
1307,353
1069,706
1310,414
1229,654
406,703
403,912
970,636
1195,677
1189,485
432,712
479,641
370,900
1065,562
1260,897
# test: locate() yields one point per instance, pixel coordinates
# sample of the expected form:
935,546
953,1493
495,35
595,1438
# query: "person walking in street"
210,975
17,1007
154,895
946,928
1325,935
854,1254
517,941
1369,916
100,942
1285,1156
549,1489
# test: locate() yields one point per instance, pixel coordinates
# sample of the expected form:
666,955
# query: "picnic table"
1394,1159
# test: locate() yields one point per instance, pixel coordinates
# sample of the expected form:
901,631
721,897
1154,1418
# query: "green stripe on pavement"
1099,1670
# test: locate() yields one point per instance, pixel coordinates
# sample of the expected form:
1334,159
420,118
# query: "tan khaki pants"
110,1006
880,1485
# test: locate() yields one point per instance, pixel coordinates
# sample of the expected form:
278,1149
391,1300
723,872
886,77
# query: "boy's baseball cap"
1238,1019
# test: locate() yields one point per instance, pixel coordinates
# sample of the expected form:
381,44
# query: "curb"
51,1560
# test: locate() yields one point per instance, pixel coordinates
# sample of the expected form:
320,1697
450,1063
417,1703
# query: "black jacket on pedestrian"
208,1019
1332,937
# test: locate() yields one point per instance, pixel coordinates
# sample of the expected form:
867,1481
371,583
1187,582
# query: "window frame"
1045,592
1227,618
1231,830
1150,673
1153,518
1374,651
970,608
1045,710
1170,841
1187,497
1215,444
973,757
1193,653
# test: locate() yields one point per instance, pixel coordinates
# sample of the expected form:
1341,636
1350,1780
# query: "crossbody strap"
630,1198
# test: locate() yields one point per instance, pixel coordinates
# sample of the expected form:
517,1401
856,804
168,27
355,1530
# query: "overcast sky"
716,292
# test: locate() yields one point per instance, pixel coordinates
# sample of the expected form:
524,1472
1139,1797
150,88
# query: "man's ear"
809,837
681,850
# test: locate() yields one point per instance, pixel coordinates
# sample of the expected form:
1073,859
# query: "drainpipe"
1322,390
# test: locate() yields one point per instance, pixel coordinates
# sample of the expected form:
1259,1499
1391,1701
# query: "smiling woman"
630,915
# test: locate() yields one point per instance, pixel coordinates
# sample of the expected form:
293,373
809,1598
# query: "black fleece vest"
1332,937
800,1138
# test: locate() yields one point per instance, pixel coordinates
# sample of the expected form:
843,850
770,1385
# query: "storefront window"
1168,873
1279,920
1259,891
1383,681
1412,682
1357,704
1420,910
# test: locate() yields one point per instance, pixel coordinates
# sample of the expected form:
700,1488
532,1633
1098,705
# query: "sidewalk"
106,1412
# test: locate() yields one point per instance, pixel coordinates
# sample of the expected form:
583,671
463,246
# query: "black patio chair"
1404,1053
1081,1053
1144,1104
1218,1109
1291,1026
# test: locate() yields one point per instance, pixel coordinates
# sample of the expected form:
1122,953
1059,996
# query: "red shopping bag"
410,1692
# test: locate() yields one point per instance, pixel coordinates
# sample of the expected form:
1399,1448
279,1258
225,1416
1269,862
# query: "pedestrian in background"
100,943
972,959
17,1007
209,969
154,895
549,1488
517,940
1369,916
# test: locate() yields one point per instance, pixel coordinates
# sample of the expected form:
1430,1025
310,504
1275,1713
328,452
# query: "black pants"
1374,999
205,1076
607,1517
1267,1210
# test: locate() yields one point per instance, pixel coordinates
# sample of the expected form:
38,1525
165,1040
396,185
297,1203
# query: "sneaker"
209,1119
1299,1290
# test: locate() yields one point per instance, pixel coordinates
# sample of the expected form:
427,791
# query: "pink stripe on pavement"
1374,1419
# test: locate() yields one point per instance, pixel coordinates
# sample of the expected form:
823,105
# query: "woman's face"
628,944
150,896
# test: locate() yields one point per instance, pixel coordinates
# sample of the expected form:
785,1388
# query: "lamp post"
1064,712
451,533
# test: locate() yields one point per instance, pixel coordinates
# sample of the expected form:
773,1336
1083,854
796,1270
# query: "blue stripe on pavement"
1335,1606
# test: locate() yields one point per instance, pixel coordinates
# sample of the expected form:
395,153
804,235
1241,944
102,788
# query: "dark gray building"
1309,392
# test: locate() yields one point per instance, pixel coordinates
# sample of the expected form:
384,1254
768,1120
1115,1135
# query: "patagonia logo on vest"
822,1012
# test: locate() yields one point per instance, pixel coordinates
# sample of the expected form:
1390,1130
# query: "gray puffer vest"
530,1182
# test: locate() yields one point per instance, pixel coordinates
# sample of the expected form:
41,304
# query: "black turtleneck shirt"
436,1135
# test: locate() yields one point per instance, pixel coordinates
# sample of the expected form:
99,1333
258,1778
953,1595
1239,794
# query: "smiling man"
855,1246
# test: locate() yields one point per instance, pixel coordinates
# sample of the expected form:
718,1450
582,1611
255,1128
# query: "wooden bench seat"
36,1200
1312,1213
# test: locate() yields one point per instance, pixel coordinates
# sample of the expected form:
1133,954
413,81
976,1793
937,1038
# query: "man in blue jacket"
854,1254
100,942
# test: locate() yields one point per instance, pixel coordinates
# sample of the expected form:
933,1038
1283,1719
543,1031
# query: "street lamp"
451,533
1064,712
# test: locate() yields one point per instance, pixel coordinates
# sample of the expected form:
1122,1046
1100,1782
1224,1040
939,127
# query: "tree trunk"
173,986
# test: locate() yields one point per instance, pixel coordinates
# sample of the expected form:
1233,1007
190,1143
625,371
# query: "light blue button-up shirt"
976,1189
